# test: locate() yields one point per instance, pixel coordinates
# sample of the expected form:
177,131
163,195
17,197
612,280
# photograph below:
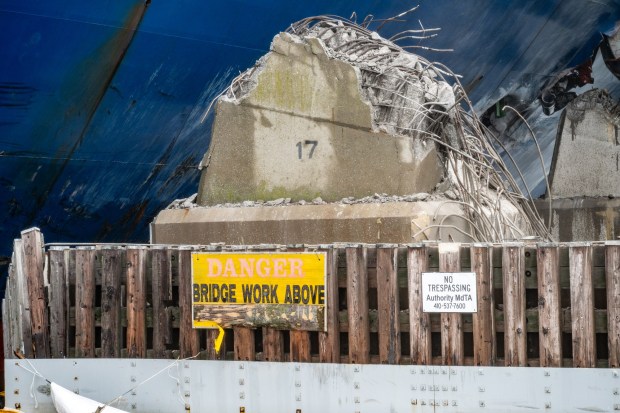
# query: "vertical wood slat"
300,346
244,344
210,353
161,293
9,315
357,304
188,336
12,336
6,327
85,301
452,344
549,306
515,336
111,268
329,341
58,303
389,309
273,345
582,305
419,321
136,301
484,320
70,258
612,275
24,329
34,262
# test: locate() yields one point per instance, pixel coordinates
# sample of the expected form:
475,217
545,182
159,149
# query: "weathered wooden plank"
273,345
34,261
210,353
329,341
300,346
70,255
161,294
189,337
278,316
582,305
245,349
484,320
550,333
6,328
388,305
612,272
58,302
515,329
22,337
136,302
419,321
85,301
111,268
452,344
357,303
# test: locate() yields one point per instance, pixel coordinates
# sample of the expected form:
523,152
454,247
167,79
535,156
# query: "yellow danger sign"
258,278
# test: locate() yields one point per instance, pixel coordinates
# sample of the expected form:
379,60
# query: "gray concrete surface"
587,152
304,131
582,219
390,222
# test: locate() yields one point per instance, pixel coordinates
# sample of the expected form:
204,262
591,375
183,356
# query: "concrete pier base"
391,222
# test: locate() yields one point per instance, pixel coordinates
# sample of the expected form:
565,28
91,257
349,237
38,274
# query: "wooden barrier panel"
547,295
582,305
515,340
550,333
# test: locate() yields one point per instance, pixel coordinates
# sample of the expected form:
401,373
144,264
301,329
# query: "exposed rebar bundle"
411,96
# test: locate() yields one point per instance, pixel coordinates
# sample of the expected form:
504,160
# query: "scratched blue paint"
138,150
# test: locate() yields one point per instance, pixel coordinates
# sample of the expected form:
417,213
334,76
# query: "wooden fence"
538,305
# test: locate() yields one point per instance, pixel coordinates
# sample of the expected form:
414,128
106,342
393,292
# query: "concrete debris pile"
410,97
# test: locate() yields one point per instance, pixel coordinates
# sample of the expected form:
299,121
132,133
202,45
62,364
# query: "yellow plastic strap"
212,324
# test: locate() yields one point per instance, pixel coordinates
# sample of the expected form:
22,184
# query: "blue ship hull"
101,102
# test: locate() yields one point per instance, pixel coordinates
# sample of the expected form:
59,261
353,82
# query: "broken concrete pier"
304,130
337,113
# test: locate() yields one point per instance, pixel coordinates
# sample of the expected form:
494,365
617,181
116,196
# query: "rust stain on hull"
85,86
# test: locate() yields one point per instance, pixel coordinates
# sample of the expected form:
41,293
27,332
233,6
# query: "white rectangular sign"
449,292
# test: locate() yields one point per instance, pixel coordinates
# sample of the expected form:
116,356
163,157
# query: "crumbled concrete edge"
190,202
400,87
